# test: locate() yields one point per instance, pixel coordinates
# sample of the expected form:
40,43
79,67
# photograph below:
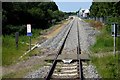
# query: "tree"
39,14
102,9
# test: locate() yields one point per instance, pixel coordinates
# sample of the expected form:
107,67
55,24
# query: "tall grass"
107,66
9,51
104,41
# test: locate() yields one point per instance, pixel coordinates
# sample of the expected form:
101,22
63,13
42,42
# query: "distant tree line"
109,10
15,15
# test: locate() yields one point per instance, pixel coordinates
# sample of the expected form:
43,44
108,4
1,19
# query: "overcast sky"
72,5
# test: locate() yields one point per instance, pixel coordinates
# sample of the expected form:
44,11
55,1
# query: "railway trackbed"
66,64
66,54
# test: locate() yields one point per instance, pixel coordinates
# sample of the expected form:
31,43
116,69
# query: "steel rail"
58,52
78,57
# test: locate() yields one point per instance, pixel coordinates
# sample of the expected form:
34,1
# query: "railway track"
68,69
66,54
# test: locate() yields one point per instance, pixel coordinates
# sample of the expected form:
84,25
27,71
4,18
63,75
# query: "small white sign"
28,28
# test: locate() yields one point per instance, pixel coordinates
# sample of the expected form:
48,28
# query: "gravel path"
87,36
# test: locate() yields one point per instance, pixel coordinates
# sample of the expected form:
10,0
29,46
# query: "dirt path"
55,31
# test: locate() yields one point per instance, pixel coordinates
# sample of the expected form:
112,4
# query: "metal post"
114,40
16,39
30,43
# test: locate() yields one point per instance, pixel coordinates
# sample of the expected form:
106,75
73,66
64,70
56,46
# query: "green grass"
34,52
107,66
9,51
10,54
104,41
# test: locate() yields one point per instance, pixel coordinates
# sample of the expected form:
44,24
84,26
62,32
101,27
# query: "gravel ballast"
87,38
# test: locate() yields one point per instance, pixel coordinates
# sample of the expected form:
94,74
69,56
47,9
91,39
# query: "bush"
11,30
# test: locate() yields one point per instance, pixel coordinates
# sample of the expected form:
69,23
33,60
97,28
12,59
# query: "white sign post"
114,40
29,34
114,34
28,28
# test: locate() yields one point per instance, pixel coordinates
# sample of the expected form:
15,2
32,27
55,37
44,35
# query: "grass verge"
10,54
108,64
9,51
